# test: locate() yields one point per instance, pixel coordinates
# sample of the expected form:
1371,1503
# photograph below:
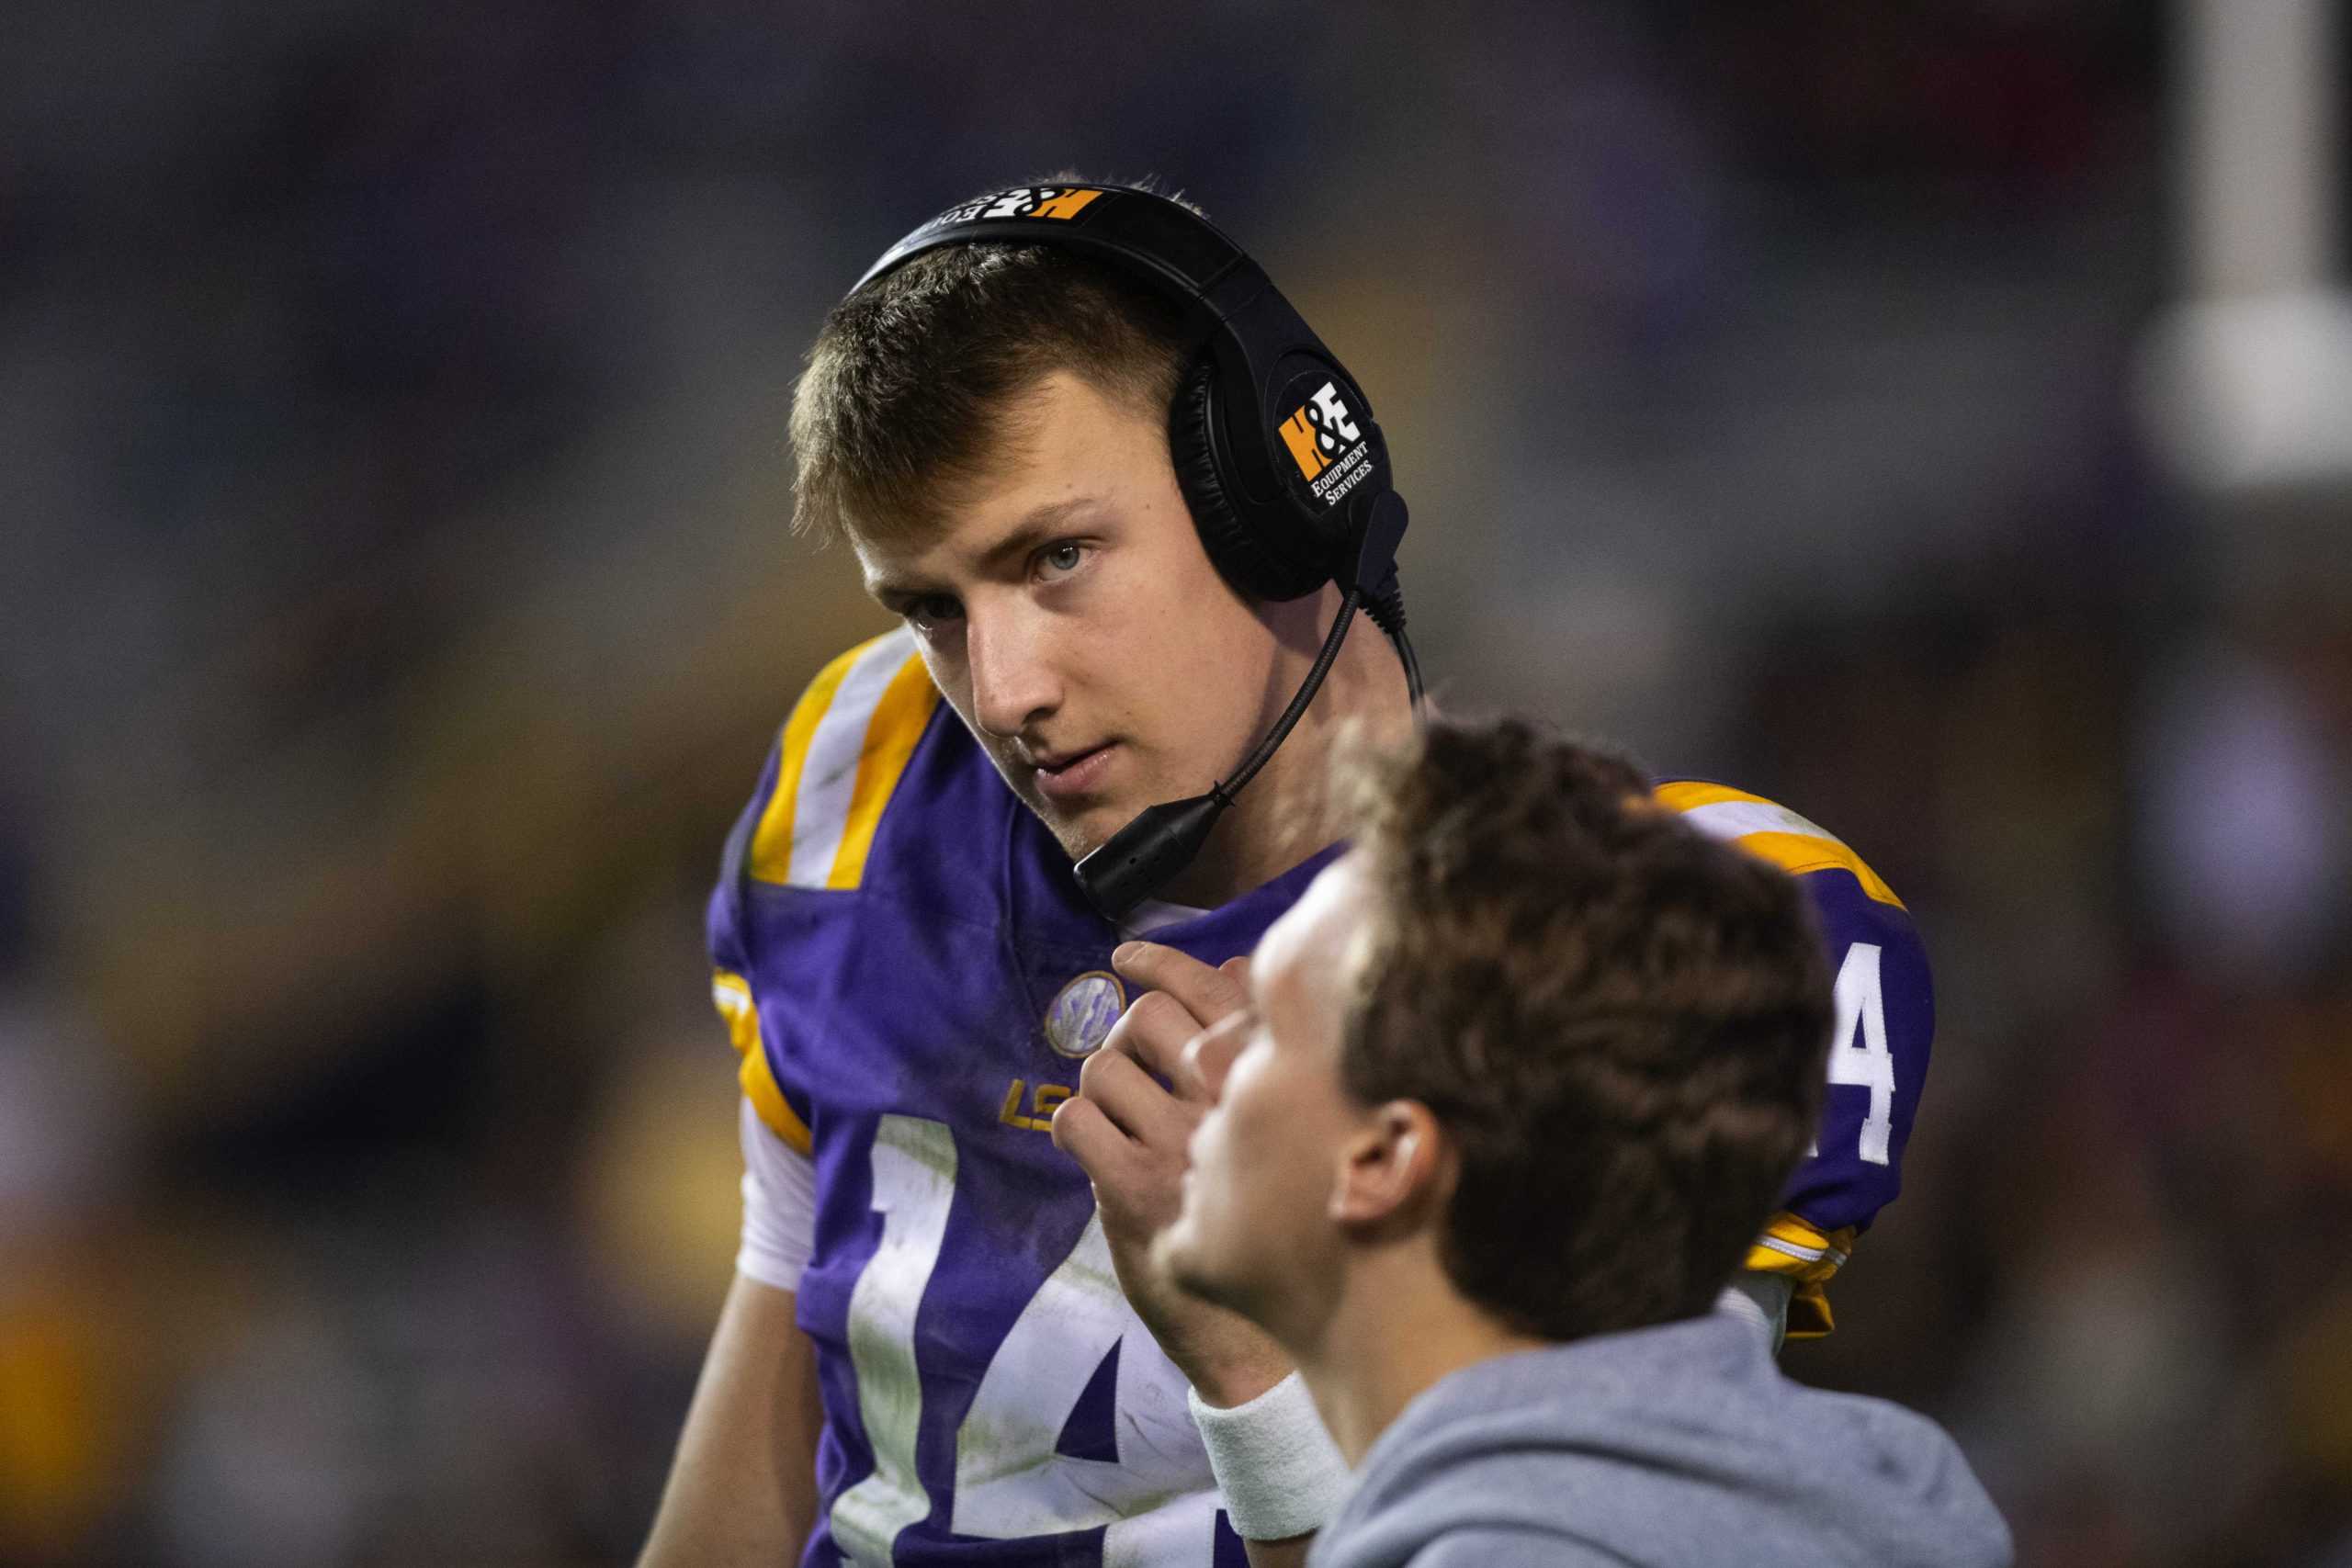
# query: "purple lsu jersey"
913,981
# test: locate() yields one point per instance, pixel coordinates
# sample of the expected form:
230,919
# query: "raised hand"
1138,1098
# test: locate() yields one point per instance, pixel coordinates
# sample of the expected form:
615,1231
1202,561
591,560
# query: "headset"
1278,458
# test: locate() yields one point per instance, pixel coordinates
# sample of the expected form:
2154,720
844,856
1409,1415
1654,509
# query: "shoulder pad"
1769,831
841,754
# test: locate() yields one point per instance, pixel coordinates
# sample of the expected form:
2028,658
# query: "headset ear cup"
1241,552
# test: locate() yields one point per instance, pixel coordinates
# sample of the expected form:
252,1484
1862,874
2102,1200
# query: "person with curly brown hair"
1519,1079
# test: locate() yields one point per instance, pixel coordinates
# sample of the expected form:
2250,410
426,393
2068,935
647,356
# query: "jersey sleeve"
811,824
731,992
1878,1053
779,1232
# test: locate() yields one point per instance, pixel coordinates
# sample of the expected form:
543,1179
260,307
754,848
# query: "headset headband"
1136,229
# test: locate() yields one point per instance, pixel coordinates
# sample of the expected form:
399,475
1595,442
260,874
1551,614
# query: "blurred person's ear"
1395,1173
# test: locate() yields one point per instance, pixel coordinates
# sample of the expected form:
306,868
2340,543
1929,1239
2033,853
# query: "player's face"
1256,1231
1070,617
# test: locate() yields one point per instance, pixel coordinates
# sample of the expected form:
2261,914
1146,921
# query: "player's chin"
1081,828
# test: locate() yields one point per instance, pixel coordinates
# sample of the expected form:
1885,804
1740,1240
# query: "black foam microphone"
1142,857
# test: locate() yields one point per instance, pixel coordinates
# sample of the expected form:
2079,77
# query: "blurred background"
1936,417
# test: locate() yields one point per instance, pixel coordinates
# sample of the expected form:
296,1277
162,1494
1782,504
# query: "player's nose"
1014,680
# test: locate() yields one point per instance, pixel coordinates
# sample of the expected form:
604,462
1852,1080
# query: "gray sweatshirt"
1676,1445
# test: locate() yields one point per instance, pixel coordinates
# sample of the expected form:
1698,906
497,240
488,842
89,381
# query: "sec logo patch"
1080,1016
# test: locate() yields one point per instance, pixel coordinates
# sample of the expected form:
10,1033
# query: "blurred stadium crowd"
395,607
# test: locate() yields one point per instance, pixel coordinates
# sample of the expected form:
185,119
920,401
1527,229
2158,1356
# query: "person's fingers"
1208,1057
1134,1102
1083,1131
1152,1032
1207,994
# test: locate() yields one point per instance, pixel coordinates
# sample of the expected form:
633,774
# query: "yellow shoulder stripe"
732,996
771,842
1769,831
1808,1257
899,721
845,748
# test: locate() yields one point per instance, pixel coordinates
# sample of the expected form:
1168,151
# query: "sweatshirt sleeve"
1510,1548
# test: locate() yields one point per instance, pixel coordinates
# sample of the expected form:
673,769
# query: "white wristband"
1281,1473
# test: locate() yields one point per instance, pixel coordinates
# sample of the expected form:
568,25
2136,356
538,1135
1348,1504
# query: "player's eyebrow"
1033,528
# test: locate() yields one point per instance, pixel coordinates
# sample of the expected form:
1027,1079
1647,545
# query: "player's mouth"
1074,774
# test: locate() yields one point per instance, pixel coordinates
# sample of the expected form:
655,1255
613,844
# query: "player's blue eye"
1063,558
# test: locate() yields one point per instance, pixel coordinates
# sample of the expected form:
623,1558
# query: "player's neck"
1398,1329
1283,815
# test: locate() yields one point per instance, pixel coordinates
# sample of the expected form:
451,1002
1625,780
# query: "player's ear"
1394,1170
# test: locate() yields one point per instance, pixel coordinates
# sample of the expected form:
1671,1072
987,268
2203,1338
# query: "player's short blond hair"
913,382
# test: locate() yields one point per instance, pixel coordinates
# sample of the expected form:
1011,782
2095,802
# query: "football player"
1128,508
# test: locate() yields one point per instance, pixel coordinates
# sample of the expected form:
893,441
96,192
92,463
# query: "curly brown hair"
911,385
1621,1024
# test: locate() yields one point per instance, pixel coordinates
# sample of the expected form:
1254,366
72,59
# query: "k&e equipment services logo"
1325,444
